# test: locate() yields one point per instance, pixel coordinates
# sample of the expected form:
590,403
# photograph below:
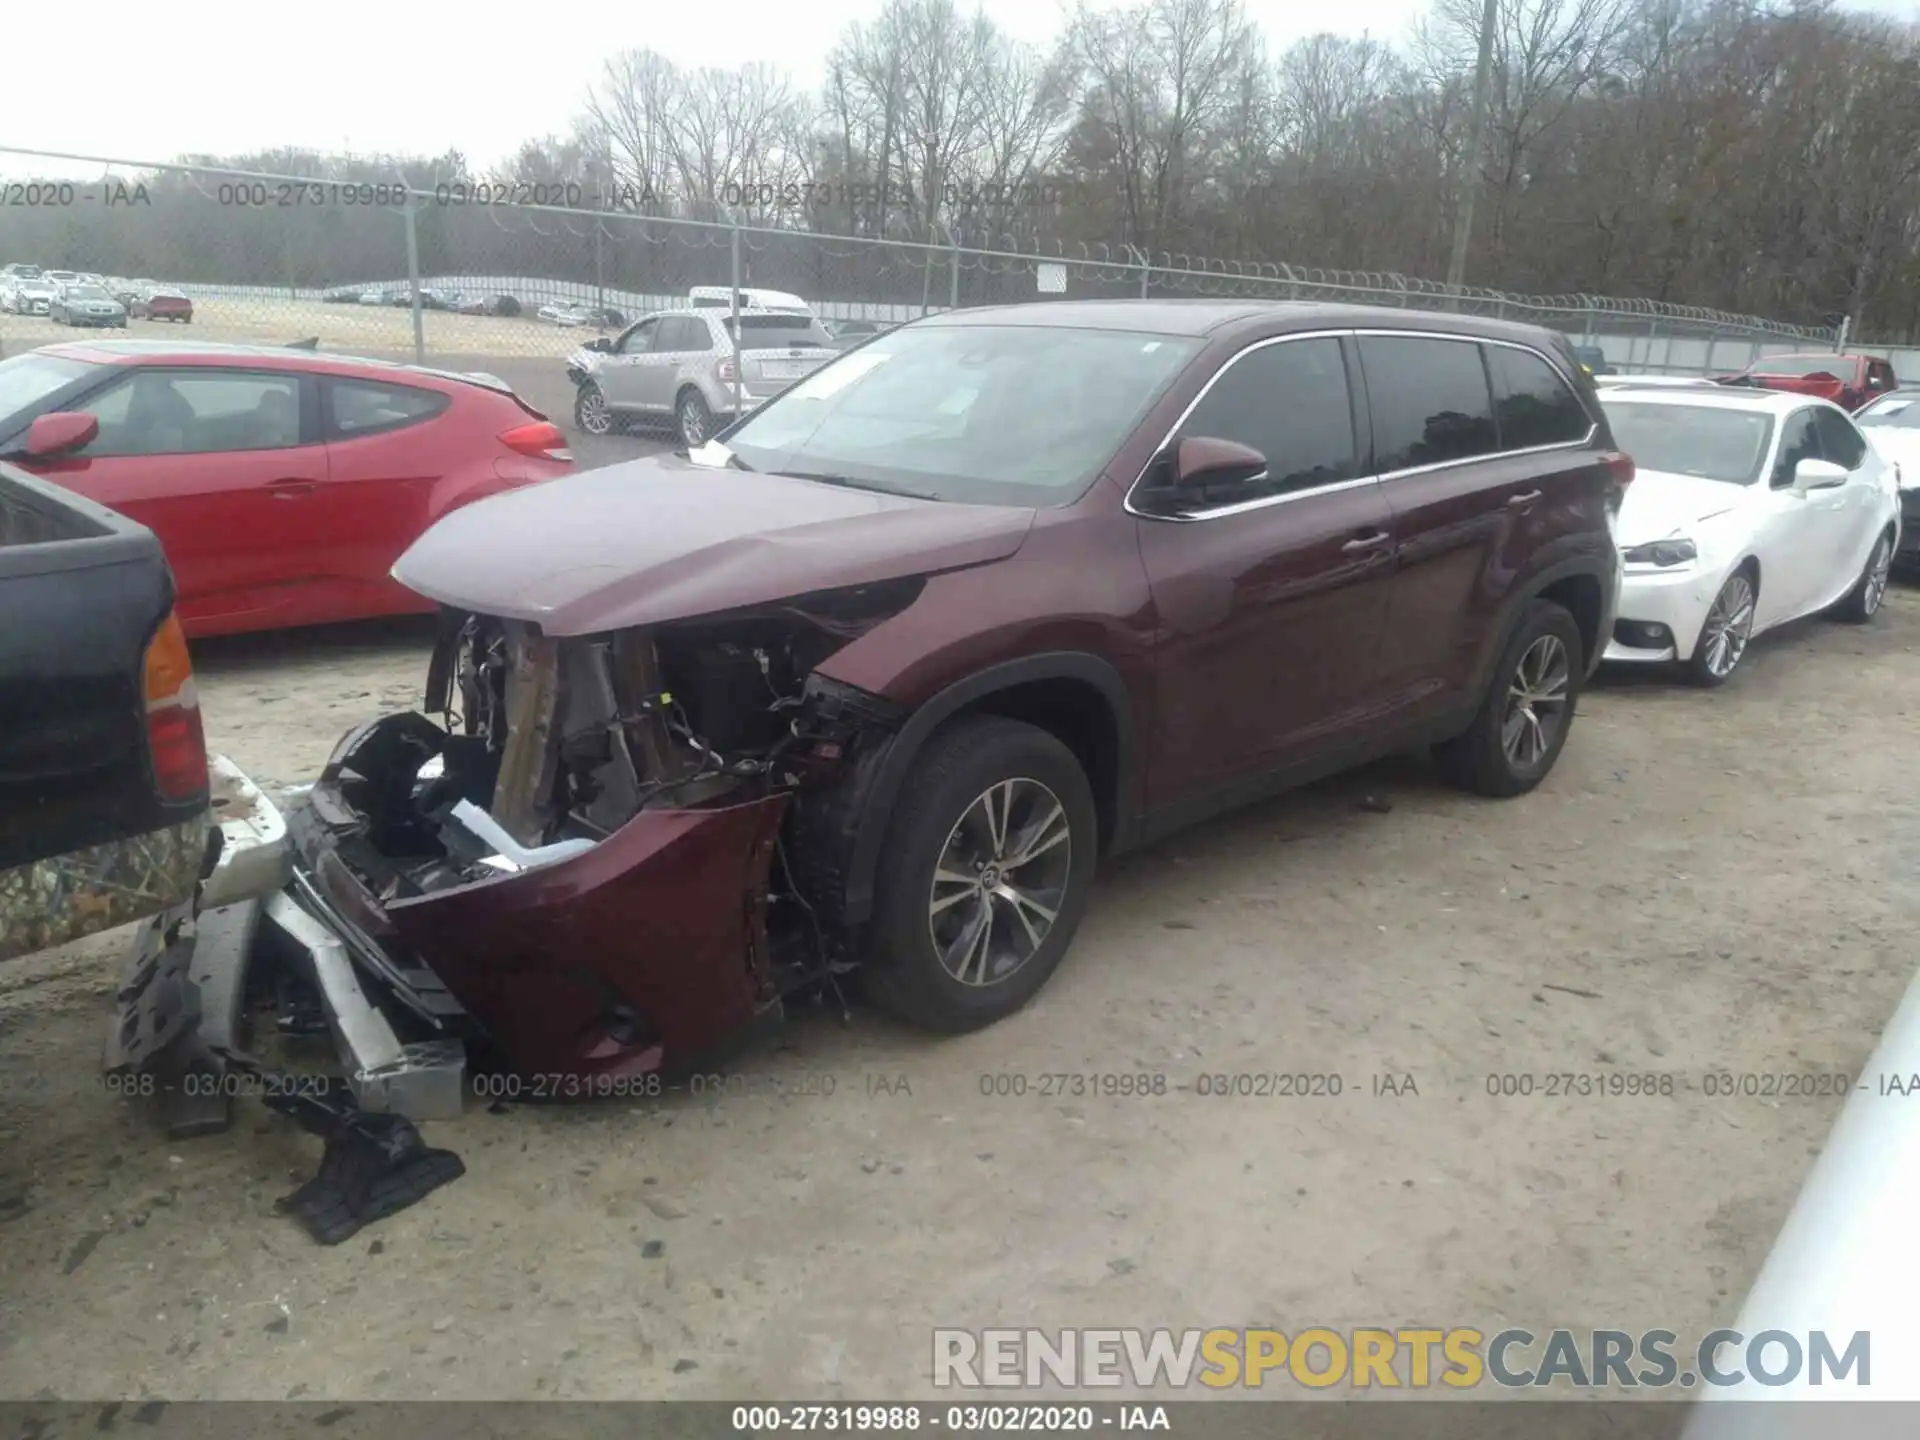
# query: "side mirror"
60,433
1817,475
1205,460
602,344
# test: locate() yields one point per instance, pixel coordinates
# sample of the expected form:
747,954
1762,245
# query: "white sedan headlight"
1662,553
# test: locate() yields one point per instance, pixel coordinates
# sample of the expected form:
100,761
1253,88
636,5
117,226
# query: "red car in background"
283,483
1849,381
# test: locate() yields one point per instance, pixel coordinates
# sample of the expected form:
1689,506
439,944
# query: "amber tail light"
175,740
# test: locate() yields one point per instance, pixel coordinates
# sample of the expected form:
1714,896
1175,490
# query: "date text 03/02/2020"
910,1418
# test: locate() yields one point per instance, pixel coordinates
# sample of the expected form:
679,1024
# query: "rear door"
1481,453
226,466
1269,596
685,353
1863,509
387,448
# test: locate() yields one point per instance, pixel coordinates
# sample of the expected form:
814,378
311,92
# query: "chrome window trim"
1380,477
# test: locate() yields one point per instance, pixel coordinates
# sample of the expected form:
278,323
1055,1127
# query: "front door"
624,373
1269,598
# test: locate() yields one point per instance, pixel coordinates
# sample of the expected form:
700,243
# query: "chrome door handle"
1367,542
1515,502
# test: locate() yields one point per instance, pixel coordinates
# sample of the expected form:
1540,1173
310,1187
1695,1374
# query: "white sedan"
1892,426
1747,509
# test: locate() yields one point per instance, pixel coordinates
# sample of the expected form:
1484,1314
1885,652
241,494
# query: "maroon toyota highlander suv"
871,680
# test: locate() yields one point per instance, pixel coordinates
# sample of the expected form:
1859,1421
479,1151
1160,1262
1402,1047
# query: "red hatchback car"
283,483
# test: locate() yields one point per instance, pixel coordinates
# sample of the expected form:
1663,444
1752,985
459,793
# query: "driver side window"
638,340
1798,441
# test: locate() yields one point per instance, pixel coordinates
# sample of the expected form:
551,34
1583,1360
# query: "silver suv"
678,365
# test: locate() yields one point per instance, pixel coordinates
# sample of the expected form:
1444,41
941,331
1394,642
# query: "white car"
1747,509
1892,426
565,312
711,297
27,297
1653,382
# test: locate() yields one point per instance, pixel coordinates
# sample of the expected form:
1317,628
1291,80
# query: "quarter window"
161,412
1532,403
1288,401
361,407
1429,399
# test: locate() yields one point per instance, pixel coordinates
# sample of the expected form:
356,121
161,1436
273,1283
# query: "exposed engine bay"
544,749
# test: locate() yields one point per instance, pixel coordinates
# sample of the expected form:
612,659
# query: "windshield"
1699,440
1897,412
778,330
28,379
1801,365
87,292
987,414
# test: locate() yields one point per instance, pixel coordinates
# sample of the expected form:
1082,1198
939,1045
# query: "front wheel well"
1078,715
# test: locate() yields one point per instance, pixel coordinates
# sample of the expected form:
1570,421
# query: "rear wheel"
591,412
1524,717
988,861
1724,635
1863,601
694,419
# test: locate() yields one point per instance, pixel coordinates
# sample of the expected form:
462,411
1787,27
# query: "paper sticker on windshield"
834,378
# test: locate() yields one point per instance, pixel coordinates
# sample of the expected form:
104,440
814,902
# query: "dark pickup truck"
104,798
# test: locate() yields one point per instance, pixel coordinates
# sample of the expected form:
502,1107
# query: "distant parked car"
18,270
1594,359
283,484
28,296
57,278
848,333
578,312
720,297
678,366
162,302
78,304
378,295
1849,381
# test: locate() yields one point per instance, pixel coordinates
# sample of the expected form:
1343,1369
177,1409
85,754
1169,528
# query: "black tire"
1705,669
1863,601
1479,759
693,419
963,763
591,411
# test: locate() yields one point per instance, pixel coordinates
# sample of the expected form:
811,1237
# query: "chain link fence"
465,275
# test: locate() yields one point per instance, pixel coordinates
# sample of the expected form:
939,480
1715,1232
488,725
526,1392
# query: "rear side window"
1533,404
682,333
1288,401
361,407
1429,399
1839,441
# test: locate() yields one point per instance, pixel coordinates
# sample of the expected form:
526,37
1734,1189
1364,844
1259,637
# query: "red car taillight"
175,740
542,440
1619,470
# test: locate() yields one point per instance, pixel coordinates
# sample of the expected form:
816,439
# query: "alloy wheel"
595,417
1879,567
1000,881
1729,625
1536,702
693,423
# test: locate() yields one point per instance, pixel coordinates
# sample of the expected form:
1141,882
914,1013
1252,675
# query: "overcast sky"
423,76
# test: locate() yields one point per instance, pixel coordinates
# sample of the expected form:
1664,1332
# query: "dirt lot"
1707,882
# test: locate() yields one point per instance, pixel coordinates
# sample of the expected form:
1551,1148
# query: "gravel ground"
1707,882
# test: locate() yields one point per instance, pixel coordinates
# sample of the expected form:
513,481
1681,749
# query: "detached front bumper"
641,953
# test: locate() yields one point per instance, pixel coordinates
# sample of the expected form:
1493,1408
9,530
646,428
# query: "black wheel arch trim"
1531,589
876,809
